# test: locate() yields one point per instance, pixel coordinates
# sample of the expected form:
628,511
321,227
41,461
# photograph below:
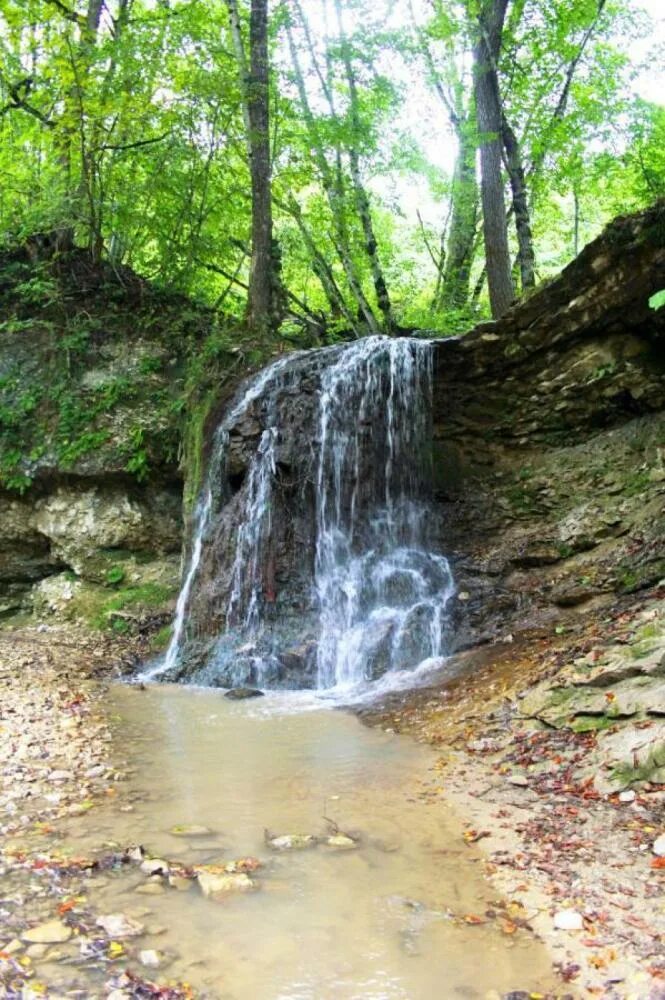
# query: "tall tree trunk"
264,283
488,111
331,179
526,257
454,292
361,197
261,272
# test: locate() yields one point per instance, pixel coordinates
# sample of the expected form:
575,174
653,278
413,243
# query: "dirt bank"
553,750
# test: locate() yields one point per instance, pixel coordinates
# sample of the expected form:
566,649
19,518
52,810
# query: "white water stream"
381,593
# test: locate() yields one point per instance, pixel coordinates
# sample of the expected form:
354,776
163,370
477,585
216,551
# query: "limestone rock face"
80,523
548,430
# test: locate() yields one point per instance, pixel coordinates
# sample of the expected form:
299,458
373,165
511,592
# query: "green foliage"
133,601
129,140
657,301
114,576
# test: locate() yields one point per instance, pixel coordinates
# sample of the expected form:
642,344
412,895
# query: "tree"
488,30
263,291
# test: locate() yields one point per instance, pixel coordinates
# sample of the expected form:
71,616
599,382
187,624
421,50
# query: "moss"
636,483
591,723
650,769
160,640
133,600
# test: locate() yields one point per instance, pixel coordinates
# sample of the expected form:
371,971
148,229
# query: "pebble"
154,866
118,925
627,796
180,883
568,920
52,932
340,842
190,830
151,958
150,889
217,885
12,947
659,846
518,779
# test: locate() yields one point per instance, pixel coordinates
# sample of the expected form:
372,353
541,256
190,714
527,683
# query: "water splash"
380,593
251,530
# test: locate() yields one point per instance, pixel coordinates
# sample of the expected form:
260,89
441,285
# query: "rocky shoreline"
572,838
552,748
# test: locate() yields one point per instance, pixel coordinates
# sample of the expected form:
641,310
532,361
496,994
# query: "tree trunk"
332,180
261,280
461,238
526,257
361,198
488,111
264,294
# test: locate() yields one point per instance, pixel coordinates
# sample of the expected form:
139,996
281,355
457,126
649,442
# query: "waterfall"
381,593
361,462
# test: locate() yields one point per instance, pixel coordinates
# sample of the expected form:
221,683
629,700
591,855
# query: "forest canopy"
360,167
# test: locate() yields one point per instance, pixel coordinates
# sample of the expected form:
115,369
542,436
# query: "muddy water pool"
382,921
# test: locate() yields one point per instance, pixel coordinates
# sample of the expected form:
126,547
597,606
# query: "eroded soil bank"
553,748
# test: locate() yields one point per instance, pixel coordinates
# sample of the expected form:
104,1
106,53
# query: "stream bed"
385,919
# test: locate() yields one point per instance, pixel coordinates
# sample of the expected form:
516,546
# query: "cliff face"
549,443
93,368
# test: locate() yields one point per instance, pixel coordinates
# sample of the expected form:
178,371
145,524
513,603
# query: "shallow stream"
383,920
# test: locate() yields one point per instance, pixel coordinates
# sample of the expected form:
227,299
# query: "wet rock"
568,920
14,946
151,958
240,693
341,842
180,883
518,780
52,932
214,885
35,951
190,830
150,889
119,925
290,841
154,866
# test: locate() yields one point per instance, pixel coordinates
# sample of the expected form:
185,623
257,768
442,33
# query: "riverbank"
567,848
131,838
553,748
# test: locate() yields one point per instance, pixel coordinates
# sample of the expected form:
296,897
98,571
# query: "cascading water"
361,467
381,594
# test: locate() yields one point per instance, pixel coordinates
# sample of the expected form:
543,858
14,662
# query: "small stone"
155,866
191,830
36,950
659,846
151,958
627,796
117,925
518,779
568,920
214,886
240,693
13,946
150,889
340,842
52,932
291,842
60,775
180,883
